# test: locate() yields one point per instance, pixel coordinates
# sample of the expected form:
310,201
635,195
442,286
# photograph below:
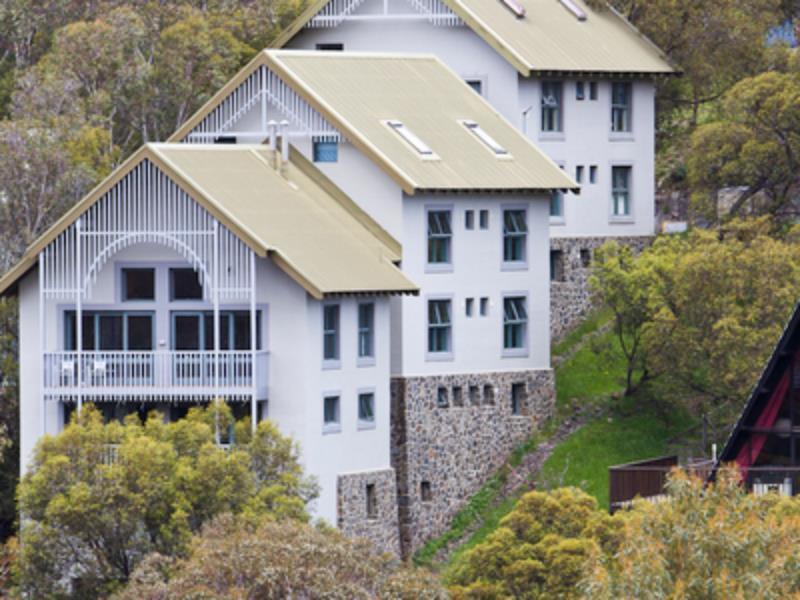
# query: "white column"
215,300
79,316
253,341
43,335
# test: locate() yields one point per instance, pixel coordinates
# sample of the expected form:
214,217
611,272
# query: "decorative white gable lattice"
336,12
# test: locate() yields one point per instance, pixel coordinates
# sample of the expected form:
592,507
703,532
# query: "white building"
578,81
414,383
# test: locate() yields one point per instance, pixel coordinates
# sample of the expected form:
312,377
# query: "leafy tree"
235,558
755,144
716,541
538,551
96,518
9,416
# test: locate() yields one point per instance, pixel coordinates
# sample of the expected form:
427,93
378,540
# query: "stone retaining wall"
443,454
381,527
570,297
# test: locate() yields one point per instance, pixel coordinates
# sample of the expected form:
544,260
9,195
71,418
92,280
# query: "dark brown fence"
645,478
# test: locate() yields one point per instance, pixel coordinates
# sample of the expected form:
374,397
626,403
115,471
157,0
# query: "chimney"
284,141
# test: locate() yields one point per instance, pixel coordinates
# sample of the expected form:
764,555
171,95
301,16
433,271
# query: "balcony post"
215,300
253,341
43,335
78,316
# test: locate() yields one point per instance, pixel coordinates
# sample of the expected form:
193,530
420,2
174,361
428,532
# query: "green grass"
592,323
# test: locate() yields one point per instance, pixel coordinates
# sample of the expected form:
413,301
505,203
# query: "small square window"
469,219
484,308
372,501
476,84
469,306
593,174
138,284
366,410
185,284
592,90
517,398
330,416
586,258
488,394
580,90
579,173
441,397
326,152
484,219
458,396
474,395
425,492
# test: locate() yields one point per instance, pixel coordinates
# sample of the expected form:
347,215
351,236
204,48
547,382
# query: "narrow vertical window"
621,191
469,219
330,332
557,204
592,90
441,397
425,491
593,174
620,107
484,307
517,398
580,90
439,326
552,106
484,219
515,235
366,330
330,414
372,501
488,394
556,266
579,173
515,323
474,395
469,307
366,410
440,236
458,396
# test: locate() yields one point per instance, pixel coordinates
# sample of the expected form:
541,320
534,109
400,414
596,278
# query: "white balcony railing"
159,374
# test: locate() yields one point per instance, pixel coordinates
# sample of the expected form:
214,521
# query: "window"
441,397
225,139
592,90
557,204
484,307
485,138
515,323
580,90
484,219
476,85
556,266
195,330
469,219
515,234
138,284
326,152
425,492
620,107
517,398
416,143
621,191
184,284
330,332
372,501
108,330
330,414
469,306
366,330
586,258
366,410
474,395
579,173
551,106
439,326
488,394
439,236
331,46
593,174
458,396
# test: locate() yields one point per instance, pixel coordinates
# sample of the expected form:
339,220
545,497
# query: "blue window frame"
326,152
194,330
515,235
366,330
111,331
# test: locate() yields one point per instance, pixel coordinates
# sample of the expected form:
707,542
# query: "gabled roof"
548,39
301,222
359,93
776,366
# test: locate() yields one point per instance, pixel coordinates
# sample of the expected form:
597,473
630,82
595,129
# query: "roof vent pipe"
272,134
285,141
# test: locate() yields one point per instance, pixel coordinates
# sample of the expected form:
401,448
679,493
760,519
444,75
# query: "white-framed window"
621,100
552,106
330,332
515,235
366,330
621,191
440,327
440,237
331,413
138,284
366,409
515,323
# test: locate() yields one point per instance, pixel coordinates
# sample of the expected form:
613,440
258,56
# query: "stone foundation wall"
570,297
443,454
381,527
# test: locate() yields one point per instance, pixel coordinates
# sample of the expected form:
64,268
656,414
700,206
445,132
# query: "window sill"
439,268
366,425
330,429
552,136
621,136
558,221
365,361
331,365
515,353
621,220
514,266
438,356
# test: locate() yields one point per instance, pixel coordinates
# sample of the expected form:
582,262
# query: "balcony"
155,376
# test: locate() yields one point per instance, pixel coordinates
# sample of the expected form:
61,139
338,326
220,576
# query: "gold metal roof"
293,218
359,93
549,38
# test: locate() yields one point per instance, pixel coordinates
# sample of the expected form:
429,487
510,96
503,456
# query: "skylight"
576,10
484,137
515,7
409,136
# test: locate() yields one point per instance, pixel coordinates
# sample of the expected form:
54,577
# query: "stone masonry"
570,297
367,508
451,433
